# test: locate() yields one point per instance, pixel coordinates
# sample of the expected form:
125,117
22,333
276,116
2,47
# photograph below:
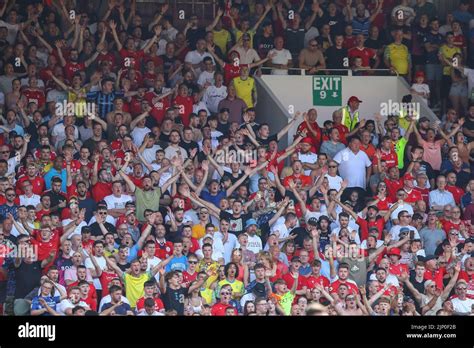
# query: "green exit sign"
327,90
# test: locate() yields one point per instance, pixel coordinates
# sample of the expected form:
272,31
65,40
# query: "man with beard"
56,171
84,201
101,181
33,177
58,198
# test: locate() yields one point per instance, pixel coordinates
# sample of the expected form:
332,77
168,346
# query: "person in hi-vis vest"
350,113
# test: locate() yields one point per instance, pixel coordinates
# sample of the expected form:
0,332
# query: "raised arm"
404,278
113,27
268,7
285,129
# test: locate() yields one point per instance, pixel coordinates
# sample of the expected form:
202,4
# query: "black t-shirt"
267,141
237,225
174,299
335,58
123,267
89,205
189,146
336,23
27,276
263,45
294,40
223,128
193,35
97,232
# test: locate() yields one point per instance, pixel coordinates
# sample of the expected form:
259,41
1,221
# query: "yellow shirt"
198,231
204,266
399,57
448,53
80,104
208,295
134,287
239,33
244,89
237,286
221,38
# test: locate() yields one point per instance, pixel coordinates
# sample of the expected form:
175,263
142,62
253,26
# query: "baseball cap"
354,99
313,221
396,252
420,74
307,140
85,229
250,222
408,176
373,207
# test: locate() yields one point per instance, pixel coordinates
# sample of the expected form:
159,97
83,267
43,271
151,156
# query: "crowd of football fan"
136,179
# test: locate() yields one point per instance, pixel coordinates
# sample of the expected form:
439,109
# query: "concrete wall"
279,95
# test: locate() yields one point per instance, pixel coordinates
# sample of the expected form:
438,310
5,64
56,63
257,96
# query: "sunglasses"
332,166
461,288
193,262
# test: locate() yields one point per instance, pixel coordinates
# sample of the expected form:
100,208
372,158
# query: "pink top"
432,153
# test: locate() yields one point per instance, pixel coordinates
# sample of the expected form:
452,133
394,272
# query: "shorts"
434,72
458,89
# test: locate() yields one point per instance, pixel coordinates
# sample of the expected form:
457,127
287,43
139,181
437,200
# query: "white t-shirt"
462,306
334,182
229,245
213,96
352,167
149,154
283,56
138,134
34,200
117,202
194,57
206,77
282,231
66,304
421,88
102,264
78,228
172,151
310,158
254,244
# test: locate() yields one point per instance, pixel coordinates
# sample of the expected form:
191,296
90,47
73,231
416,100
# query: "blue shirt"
5,209
434,39
50,300
177,264
213,199
105,102
51,174
466,200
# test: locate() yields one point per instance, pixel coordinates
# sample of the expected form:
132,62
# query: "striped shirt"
104,102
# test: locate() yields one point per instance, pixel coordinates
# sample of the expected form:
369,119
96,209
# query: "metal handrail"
349,71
